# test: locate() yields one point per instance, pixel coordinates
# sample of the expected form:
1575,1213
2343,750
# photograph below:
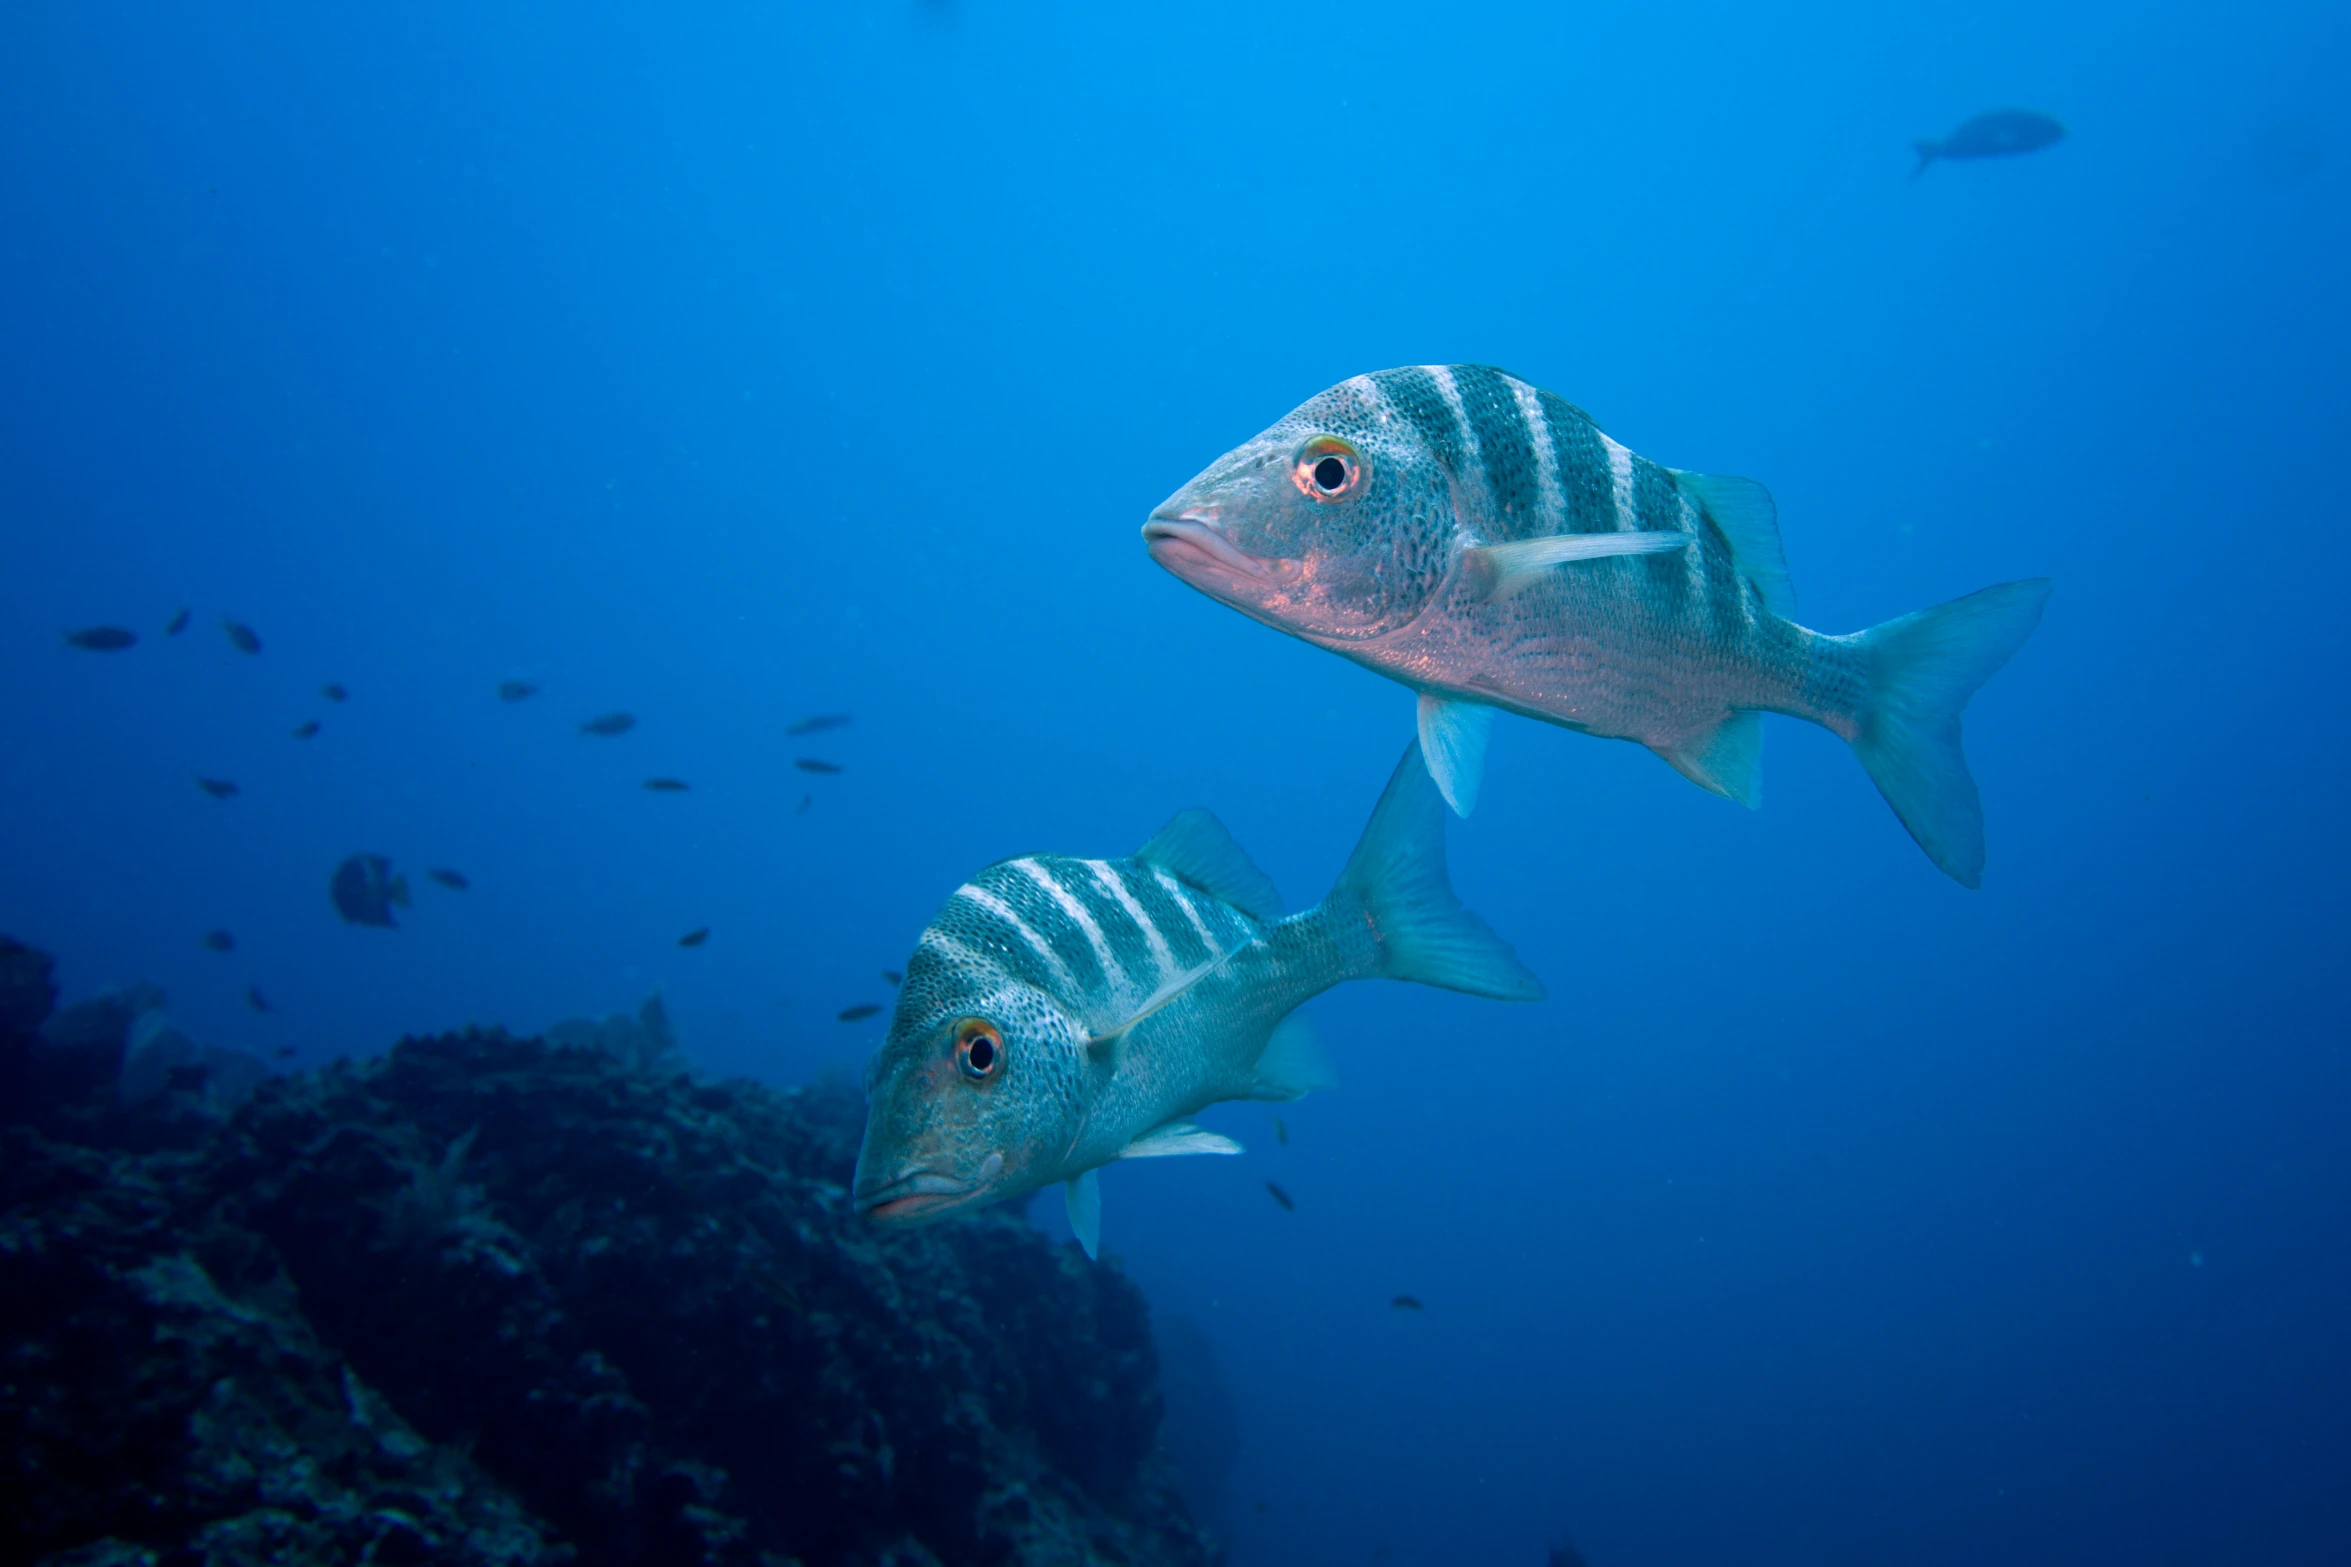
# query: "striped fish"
1485,543
1062,1013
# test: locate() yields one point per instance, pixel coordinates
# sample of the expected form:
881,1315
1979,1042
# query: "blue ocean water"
731,366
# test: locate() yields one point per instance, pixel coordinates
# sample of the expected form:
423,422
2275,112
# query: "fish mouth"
915,1196
1180,542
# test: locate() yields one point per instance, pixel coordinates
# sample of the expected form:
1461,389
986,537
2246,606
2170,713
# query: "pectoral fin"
1106,1044
1177,1137
1083,1196
1453,743
1511,568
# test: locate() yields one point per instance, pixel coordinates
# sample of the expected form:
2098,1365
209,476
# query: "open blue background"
767,360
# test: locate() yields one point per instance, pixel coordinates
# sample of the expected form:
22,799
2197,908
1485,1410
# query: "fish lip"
913,1196
1170,538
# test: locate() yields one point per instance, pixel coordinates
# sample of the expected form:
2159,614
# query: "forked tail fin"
1395,882
1923,668
1928,152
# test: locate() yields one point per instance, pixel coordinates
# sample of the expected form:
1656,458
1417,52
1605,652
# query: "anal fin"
1292,1064
1726,759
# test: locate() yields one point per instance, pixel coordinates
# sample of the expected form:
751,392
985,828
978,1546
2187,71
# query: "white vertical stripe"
1176,890
1620,477
1530,407
973,892
1078,915
1161,955
1443,376
962,956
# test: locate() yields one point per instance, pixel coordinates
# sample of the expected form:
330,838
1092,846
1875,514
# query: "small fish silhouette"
177,624
100,639
256,1000
218,788
695,938
516,690
1281,1197
893,978
806,801
333,692
857,1013
283,1051
364,890
1407,1303
667,785
241,636
220,941
817,723
305,729
449,879
609,724
810,764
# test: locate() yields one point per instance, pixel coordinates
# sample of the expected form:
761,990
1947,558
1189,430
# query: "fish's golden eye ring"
979,1049
1329,468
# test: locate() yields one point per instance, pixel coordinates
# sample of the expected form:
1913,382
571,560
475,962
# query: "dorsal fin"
1750,520
1195,847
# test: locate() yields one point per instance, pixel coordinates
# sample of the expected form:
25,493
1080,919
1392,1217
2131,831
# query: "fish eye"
1328,468
979,1048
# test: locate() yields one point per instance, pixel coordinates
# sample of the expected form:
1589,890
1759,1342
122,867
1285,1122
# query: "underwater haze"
736,365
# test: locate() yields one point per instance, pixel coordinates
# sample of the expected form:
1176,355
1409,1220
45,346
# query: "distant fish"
220,941
811,764
241,636
858,1013
334,692
100,639
2004,133
806,801
283,1051
256,1000
1281,1197
177,624
516,690
893,978
305,729
218,788
364,889
1281,1133
1407,1303
817,723
185,1079
448,878
667,785
609,724
695,937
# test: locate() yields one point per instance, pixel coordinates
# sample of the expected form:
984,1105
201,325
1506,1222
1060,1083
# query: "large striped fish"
1482,541
1060,1013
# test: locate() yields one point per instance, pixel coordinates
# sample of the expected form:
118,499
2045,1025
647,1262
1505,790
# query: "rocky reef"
497,1300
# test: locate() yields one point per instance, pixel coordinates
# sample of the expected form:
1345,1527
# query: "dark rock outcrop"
488,1299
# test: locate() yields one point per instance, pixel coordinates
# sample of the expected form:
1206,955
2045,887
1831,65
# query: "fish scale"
1490,547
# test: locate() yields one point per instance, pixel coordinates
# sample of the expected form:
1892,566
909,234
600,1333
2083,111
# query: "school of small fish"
364,889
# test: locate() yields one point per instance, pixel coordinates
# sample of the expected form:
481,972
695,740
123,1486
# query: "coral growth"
489,1299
